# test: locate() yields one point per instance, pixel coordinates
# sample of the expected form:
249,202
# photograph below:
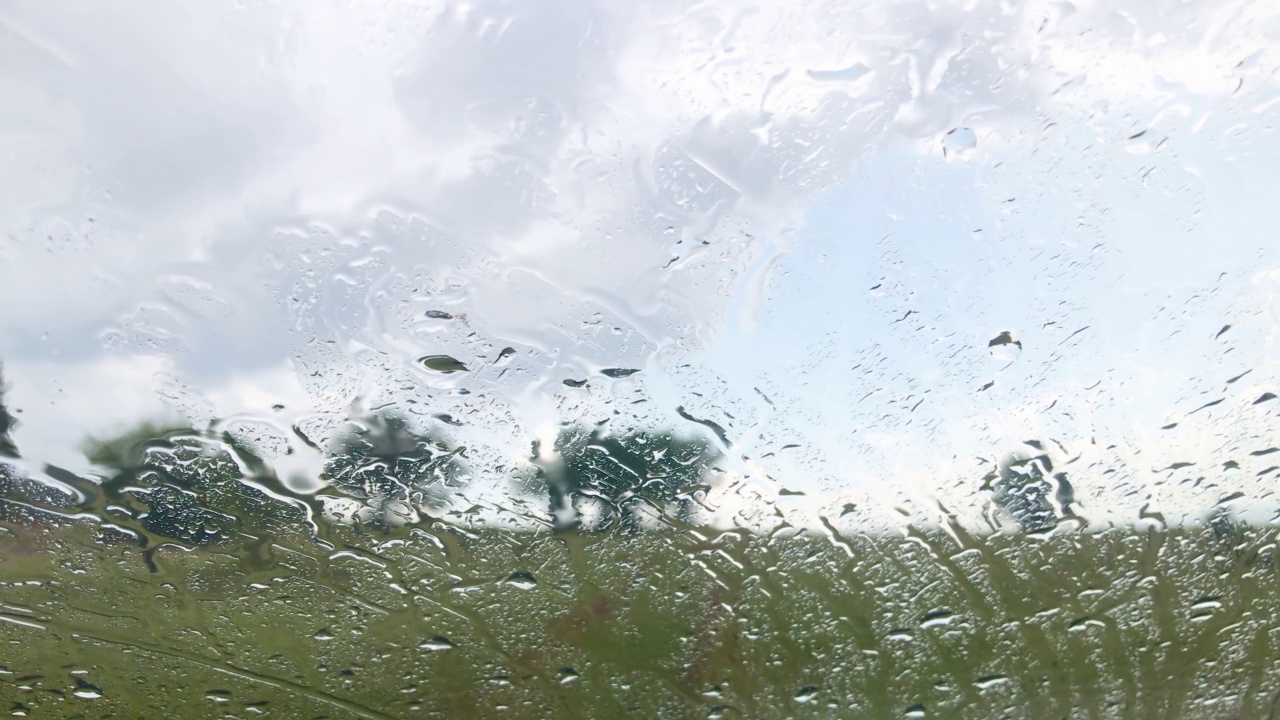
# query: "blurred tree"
1224,526
1028,491
393,469
199,489
7,423
595,480
180,484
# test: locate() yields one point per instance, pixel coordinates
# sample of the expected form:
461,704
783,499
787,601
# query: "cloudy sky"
805,225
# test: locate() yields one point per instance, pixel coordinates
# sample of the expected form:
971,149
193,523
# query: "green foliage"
7,423
623,478
394,469
1130,622
129,450
1028,491
175,484
178,484
186,487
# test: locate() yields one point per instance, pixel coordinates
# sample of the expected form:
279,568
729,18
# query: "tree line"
200,488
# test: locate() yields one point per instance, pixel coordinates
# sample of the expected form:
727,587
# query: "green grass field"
445,622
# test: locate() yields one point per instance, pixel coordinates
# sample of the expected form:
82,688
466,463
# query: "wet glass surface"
559,359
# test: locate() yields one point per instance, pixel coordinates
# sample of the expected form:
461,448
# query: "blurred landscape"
676,359
190,583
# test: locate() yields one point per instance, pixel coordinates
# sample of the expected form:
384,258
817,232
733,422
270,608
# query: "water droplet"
1004,347
959,142
937,617
1004,338
987,681
568,675
808,693
87,690
436,643
619,372
1204,608
522,580
442,364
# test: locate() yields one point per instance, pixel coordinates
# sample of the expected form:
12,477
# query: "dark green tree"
182,485
393,469
1027,490
595,480
198,488
7,423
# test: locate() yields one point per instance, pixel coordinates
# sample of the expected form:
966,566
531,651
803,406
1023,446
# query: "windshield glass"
657,360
